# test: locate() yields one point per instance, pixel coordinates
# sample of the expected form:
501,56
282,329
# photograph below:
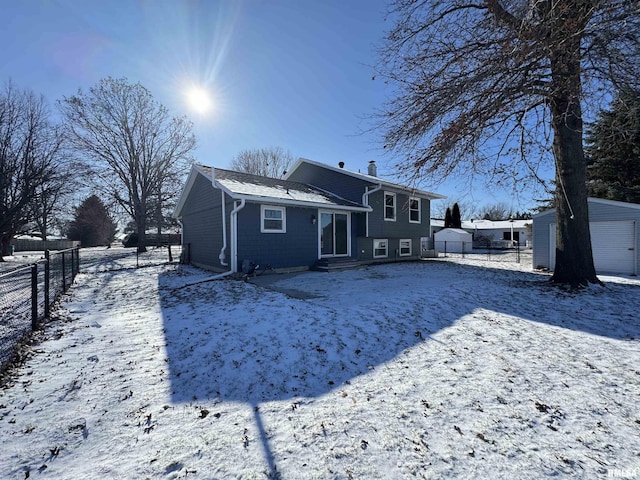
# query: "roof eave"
293,202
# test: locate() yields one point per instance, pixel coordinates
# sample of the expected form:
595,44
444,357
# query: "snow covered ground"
456,368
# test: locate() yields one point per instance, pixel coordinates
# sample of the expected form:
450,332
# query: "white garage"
453,240
614,237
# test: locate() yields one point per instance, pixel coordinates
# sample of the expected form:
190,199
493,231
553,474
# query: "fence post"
64,274
77,252
47,272
73,267
34,296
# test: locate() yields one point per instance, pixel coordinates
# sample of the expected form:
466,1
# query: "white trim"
384,206
330,255
400,247
419,210
282,210
386,247
298,203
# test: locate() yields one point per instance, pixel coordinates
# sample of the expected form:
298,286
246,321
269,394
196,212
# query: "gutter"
365,201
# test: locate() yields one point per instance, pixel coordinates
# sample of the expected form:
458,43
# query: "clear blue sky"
290,73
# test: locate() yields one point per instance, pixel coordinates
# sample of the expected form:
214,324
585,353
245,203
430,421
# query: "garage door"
612,244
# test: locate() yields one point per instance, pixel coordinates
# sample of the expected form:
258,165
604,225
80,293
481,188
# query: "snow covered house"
494,234
317,216
615,239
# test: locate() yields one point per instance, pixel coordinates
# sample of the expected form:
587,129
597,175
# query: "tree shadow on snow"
236,341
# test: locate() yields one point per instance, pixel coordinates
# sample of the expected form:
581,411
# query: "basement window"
405,247
380,248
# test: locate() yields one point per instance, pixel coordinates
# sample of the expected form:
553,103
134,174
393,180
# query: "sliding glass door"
334,234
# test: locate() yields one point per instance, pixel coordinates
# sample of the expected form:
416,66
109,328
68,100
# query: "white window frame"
376,246
405,241
395,206
419,210
283,210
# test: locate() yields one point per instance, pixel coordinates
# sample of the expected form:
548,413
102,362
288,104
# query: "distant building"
500,234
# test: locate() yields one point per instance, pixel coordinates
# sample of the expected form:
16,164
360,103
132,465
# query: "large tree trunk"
141,225
5,245
574,258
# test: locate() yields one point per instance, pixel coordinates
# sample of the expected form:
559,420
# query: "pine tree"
92,225
456,221
447,219
613,150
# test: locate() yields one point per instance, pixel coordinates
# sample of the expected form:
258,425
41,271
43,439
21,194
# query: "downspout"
365,201
224,232
234,235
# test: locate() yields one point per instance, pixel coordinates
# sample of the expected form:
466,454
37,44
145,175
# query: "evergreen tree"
456,221
92,224
448,223
613,150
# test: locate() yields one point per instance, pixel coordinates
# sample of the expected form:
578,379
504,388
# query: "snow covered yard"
456,368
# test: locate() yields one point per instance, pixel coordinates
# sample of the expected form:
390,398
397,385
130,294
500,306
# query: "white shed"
453,240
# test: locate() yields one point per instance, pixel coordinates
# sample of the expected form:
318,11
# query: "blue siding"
202,224
338,183
298,247
401,228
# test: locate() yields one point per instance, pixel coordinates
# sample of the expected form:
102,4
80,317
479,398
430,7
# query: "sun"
199,100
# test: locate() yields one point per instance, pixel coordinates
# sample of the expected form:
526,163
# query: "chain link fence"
26,294
495,251
121,258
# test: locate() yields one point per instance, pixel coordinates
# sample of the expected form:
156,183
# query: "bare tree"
51,199
268,162
468,209
29,155
496,211
493,86
134,145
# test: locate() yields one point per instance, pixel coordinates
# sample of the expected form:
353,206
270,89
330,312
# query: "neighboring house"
615,239
315,216
497,233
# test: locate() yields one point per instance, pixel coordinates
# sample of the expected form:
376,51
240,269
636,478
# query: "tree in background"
136,149
456,220
50,202
268,162
492,86
613,150
497,211
30,147
448,223
92,225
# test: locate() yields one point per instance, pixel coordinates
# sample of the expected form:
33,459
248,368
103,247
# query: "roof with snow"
255,187
486,224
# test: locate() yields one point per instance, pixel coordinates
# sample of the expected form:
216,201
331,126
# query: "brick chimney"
372,169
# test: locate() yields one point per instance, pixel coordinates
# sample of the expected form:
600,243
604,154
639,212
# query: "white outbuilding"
615,239
453,240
